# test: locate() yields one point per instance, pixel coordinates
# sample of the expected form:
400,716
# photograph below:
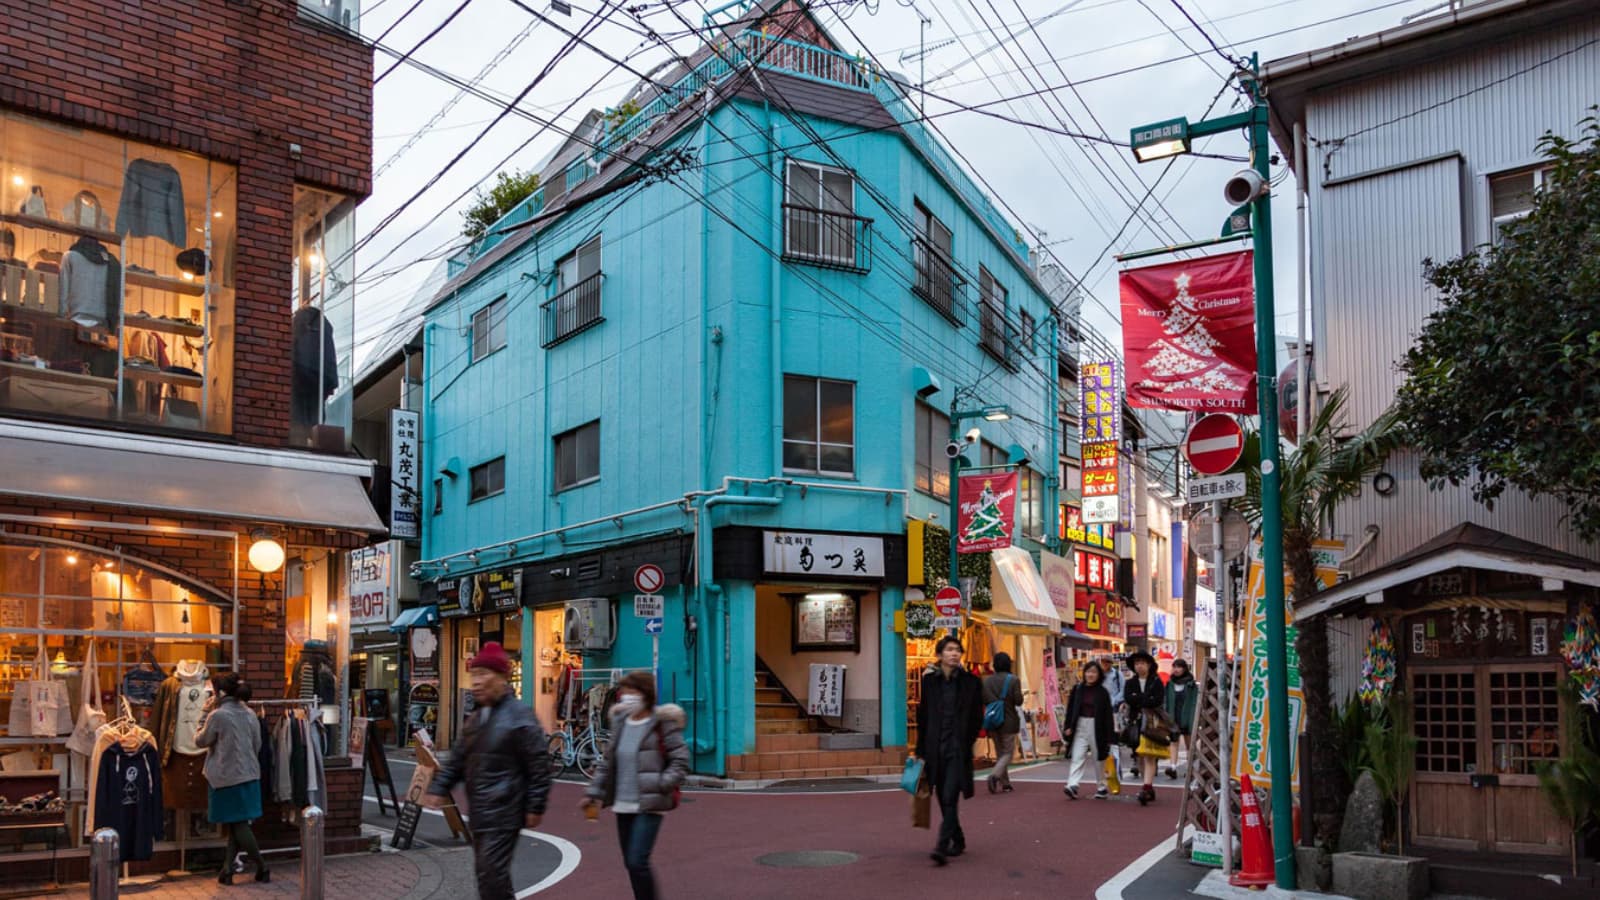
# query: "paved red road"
1032,843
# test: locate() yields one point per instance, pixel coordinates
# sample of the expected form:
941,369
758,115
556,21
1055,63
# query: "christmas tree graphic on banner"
988,506
1189,337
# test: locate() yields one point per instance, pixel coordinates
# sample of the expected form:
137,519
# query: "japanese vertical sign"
1188,334
405,475
988,511
1101,482
1250,753
1101,417
826,696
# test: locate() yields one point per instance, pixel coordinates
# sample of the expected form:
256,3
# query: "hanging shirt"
128,799
193,694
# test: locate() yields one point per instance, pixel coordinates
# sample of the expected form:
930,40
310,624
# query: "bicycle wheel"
560,754
587,755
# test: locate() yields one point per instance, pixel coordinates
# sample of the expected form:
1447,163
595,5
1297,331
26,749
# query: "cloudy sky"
1074,193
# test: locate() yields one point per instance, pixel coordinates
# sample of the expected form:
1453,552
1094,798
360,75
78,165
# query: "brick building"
177,188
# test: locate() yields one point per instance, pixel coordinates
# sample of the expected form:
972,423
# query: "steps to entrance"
787,756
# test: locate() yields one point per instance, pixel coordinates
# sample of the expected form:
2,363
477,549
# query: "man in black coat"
949,718
504,758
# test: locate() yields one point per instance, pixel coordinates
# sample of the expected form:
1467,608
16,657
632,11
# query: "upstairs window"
577,455
576,305
1027,326
487,479
819,426
995,334
489,329
819,221
1511,198
937,281
933,467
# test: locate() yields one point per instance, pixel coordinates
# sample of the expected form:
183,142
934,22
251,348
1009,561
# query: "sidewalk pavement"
420,874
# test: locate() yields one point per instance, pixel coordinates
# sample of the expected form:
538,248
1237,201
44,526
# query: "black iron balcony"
997,336
820,237
573,311
937,280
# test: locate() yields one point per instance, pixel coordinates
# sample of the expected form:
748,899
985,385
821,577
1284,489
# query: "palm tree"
1325,469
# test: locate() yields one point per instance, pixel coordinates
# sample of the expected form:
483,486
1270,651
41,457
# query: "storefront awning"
187,478
415,617
1020,599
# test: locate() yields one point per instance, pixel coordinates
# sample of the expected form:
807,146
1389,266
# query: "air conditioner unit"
589,624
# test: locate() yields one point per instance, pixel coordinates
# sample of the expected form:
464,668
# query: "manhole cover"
808,859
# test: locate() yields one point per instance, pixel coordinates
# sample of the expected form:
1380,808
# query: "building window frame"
820,226
930,466
576,306
488,333
995,332
936,281
486,479
576,441
1499,220
818,427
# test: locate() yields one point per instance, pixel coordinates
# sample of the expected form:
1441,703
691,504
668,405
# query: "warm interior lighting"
333,617
17,180
72,559
266,554
825,596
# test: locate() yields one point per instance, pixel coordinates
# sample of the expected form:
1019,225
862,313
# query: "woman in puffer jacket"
643,765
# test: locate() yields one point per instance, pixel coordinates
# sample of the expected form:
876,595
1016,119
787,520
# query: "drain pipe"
703,587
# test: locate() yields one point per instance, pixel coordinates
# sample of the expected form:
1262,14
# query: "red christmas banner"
988,509
1188,334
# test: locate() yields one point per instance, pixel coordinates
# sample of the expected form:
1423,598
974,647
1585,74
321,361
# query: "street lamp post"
991,413
1170,138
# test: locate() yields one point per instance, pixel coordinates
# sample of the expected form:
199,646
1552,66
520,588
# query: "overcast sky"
1077,194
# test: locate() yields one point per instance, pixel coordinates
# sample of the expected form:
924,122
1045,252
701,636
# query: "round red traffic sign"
649,578
1214,444
948,601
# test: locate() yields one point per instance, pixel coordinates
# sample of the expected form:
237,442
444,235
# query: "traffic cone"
1257,869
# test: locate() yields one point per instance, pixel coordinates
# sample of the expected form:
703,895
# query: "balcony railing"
835,240
573,311
345,14
937,280
997,336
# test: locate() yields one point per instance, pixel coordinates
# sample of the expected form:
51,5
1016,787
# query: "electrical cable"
418,45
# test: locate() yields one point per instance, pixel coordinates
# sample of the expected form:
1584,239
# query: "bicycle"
580,748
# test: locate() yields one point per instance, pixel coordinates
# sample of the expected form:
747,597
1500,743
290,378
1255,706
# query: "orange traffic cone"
1257,869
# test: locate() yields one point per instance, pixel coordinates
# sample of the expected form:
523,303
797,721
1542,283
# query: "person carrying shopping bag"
949,717
1144,695
1088,731
641,770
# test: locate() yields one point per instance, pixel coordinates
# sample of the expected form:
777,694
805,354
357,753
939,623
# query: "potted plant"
1391,749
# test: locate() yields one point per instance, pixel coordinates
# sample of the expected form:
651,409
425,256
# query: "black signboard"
377,764
473,595
405,830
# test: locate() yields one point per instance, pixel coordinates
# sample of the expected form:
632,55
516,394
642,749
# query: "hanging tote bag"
90,715
36,701
922,806
911,775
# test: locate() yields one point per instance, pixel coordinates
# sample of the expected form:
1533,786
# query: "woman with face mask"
640,772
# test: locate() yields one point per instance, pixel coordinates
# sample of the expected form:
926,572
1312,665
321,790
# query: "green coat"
1183,697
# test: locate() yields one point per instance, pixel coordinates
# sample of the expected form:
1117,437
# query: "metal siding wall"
1347,650
1370,236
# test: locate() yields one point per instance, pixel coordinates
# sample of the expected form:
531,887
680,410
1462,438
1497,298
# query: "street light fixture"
1168,138
993,412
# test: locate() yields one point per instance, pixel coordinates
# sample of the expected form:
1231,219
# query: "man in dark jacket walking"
1003,687
504,758
949,717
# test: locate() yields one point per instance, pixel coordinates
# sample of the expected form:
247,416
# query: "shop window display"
316,653
90,638
324,315
116,279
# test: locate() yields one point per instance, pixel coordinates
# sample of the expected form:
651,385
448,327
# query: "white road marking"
1112,889
571,856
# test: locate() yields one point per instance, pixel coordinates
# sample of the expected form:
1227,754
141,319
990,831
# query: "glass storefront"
116,279
324,314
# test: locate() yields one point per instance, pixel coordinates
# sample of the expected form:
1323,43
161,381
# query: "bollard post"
311,853
103,855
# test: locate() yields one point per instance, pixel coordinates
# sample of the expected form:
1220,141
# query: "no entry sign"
948,601
1214,444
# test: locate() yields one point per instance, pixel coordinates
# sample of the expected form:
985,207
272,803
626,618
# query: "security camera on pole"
1252,186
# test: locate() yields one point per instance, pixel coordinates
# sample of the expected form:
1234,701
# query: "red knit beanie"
493,657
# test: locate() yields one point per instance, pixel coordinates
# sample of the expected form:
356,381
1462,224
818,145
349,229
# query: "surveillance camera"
1244,186
952,449
973,434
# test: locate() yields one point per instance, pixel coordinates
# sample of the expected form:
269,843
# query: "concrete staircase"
789,747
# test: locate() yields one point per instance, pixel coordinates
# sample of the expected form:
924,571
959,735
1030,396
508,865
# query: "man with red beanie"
504,758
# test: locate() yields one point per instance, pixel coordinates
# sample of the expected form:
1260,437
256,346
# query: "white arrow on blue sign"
653,625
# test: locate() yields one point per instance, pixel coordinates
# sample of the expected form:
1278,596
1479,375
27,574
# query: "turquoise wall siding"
685,375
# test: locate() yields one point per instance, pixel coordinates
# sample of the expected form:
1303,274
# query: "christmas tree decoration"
988,510
1378,669
1189,334
1581,649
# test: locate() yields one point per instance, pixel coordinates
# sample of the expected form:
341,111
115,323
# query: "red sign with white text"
988,510
1188,334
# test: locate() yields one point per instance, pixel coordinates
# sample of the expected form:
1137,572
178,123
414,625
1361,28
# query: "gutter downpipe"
703,586
1052,481
775,292
427,434
1302,390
